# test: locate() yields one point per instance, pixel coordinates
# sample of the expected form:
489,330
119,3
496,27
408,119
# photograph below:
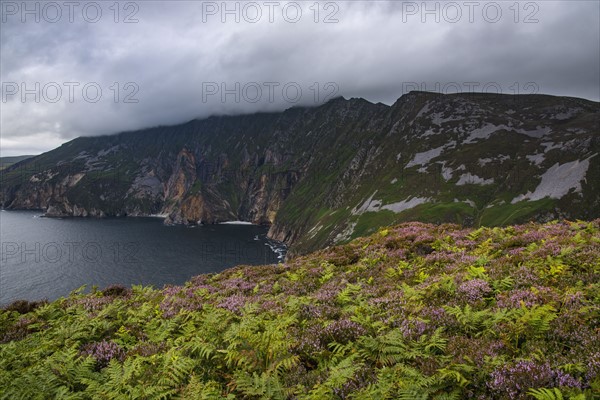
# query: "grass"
438,213
501,215
370,221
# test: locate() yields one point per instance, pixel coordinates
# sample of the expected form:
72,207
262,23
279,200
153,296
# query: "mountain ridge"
323,175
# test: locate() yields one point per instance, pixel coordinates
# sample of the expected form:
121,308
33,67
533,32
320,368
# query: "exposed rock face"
323,175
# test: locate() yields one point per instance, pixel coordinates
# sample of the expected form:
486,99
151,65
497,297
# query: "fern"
175,369
477,271
453,395
385,350
474,235
456,373
262,386
473,322
411,294
434,344
396,273
350,294
412,393
529,322
546,394
503,285
339,374
573,368
328,272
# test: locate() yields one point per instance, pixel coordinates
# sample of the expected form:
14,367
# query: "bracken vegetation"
415,311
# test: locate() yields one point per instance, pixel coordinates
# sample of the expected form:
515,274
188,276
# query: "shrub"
24,306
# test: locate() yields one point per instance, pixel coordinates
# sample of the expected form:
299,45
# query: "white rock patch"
430,132
365,206
43,176
536,159
438,119
374,205
345,234
470,179
501,158
424,110
551,146
447,172
558,180
113,149
571,112
315,229
405,204
72,180
484,161
467,201
537,133
484,132
539,158
426,156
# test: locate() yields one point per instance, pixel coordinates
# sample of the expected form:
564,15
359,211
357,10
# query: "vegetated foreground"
415,311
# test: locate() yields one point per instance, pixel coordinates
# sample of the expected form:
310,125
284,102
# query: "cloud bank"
91,68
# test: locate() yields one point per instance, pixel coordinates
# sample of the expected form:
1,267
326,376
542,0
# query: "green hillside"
415,311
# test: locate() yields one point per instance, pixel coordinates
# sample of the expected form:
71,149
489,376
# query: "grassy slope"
417,310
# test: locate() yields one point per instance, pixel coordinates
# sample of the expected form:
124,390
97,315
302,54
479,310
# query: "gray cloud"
374,51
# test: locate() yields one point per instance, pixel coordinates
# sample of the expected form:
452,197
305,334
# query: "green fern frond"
546,394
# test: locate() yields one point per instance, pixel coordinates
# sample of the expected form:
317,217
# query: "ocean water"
46,258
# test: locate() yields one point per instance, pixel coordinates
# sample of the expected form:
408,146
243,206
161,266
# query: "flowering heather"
18,330
233,303
412,329
474,290
327,292
179,298
593,367
513,381
517,298
103,352
237,285
342,331
91,303
413,311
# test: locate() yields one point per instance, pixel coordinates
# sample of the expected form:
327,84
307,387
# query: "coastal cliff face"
323,175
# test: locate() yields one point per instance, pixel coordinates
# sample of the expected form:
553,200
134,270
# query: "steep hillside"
6,162
324,175
415,311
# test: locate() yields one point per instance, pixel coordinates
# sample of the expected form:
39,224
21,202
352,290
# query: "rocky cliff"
324,175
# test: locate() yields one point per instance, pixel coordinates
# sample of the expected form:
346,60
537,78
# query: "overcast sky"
160,63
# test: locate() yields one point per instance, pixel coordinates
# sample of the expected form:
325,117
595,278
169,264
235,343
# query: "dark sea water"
48,258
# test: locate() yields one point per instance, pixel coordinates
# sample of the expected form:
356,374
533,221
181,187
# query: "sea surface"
47,258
